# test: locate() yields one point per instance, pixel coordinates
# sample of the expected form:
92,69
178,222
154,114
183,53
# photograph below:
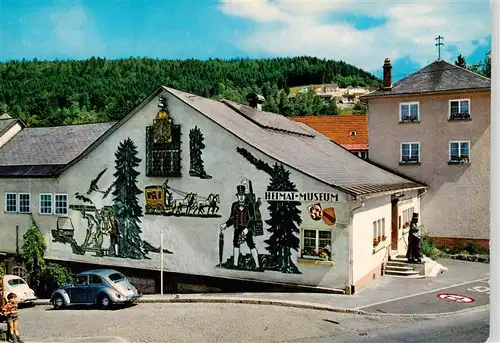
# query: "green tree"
461,61
126,203
32,254
359,108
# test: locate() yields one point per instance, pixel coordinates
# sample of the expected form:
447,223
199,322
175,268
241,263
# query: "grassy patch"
465,252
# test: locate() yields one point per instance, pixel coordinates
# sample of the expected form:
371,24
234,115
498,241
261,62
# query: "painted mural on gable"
246,221
118,223
167,201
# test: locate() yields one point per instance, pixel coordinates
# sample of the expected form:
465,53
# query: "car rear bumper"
28,300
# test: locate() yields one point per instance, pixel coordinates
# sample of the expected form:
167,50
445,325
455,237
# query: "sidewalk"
385,289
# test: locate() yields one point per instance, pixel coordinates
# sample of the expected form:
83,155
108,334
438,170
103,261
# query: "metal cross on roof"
439,44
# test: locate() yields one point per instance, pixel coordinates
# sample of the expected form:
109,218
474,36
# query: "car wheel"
104,301
58,302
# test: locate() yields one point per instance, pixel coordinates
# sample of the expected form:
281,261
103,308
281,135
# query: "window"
81,280
94,280
410,153
409,112
10,202
24,203
45,203
116,277
459,152
459,109
378,231
61,205
353,133
316,244
383,228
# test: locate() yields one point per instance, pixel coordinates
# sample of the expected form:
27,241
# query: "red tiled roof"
338,129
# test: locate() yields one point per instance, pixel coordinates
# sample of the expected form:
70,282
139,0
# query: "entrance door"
394,225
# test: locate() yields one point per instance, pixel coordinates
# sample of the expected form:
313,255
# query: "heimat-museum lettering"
301,196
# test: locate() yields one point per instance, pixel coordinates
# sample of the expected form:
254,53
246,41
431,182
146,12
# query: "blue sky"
362,33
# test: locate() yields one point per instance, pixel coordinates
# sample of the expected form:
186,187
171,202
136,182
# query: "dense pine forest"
47,93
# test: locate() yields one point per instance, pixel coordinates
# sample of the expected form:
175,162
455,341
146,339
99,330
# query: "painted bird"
107,191
93,184
83,198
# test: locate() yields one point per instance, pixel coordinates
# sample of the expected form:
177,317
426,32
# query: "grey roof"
439,76
47,151
6,124
305,150
50,145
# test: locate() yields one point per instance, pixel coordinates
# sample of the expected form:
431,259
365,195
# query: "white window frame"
302,231
459,149
6,202
19,203
401,153
459,102
56,207
409,103
51,204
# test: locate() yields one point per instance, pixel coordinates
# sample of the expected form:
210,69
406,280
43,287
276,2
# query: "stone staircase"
398,266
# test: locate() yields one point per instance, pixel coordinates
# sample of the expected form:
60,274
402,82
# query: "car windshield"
116,277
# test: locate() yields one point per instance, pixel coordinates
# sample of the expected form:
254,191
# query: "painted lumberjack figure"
242,218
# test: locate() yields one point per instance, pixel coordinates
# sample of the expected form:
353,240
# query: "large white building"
219,179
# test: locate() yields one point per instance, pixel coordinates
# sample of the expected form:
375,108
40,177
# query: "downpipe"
349,289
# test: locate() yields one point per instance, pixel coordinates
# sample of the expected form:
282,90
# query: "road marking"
480,289
421,293
456,298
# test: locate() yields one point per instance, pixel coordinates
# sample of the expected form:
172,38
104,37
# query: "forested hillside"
45,93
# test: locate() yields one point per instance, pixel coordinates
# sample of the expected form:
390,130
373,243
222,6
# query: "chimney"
387,74
255,101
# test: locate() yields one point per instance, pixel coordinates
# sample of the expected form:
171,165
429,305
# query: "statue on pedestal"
414,254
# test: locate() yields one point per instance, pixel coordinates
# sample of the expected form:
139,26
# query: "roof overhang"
30,171
390,192
367,97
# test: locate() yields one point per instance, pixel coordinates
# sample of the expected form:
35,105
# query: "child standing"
12,317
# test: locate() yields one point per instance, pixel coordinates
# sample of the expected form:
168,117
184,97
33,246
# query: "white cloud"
408,31
75,32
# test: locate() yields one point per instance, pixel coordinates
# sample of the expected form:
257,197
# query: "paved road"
470,327
207,323
429,302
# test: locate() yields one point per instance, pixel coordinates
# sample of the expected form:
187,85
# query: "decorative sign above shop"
301,196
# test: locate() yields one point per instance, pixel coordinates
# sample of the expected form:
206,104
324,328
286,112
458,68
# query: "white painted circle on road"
456,298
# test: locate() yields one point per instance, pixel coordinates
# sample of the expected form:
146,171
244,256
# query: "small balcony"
460,117
409,160
459,160
409,119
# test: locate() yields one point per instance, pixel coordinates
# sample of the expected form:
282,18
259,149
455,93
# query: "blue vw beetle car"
102,287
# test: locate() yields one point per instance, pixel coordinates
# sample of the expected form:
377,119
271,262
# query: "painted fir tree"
126,203
196,145
284,222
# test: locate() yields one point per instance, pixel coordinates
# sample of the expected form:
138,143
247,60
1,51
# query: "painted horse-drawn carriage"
160,201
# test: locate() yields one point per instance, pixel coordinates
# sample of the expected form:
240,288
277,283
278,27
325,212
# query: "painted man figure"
413,254
241,219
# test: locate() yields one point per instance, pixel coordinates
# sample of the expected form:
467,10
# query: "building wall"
457,202
192,242
367,259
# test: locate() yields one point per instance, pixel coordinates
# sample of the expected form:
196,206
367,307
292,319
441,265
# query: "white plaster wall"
364,261
193,241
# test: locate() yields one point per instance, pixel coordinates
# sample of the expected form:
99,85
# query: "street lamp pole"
161,262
